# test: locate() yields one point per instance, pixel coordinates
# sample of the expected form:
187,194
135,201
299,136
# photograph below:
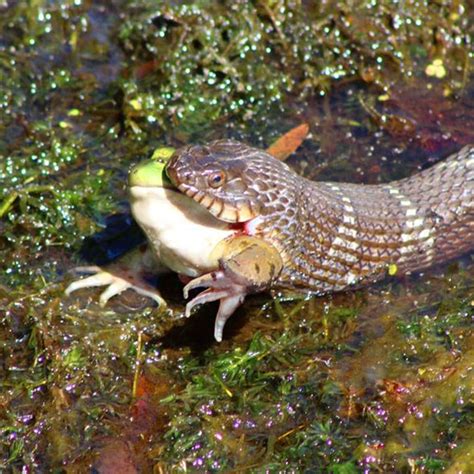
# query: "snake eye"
216,179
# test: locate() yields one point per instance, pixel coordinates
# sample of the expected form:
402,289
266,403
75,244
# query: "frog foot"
115,284
248,265
219,287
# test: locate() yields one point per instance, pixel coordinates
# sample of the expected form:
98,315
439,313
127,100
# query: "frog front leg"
246,265
130,272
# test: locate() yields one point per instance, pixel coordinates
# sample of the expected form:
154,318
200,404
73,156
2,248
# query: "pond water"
374,380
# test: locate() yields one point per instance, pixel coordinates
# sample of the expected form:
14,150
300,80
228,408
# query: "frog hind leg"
248,265
126,274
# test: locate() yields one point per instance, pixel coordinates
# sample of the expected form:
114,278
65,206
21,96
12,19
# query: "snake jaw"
242,210
244,220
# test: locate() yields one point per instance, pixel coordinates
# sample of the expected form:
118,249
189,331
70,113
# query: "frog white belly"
182,233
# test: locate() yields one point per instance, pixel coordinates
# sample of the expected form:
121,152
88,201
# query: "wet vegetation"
378,380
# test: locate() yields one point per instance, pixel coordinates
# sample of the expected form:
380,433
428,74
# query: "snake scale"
331,235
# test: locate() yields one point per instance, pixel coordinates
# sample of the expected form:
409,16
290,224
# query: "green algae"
376,380
208,61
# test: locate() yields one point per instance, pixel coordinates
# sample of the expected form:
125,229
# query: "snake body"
332,236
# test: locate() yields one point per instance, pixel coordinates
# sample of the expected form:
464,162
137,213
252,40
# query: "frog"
183,237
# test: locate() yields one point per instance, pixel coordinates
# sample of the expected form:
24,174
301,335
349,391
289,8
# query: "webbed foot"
219,287
116,282
248,265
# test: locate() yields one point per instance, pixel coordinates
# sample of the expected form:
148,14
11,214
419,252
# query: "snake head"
235,182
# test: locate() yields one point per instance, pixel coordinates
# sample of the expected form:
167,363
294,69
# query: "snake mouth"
238,212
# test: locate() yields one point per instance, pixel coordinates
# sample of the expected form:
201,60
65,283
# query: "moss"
207,60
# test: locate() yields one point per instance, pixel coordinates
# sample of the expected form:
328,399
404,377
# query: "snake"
329,236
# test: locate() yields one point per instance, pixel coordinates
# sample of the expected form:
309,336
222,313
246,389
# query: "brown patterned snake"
320,237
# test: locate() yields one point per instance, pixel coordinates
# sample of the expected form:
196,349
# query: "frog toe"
226,309
149,292
99,279
213,280
115,288
205,297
